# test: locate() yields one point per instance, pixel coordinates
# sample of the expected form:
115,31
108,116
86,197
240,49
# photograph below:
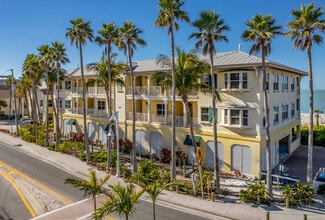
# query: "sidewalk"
229,210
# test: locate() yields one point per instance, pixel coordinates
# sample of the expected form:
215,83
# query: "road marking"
11,180
8,177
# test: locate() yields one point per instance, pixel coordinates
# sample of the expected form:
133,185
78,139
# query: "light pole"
13,87
109,144
115,118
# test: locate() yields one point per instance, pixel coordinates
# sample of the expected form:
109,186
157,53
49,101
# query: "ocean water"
319,100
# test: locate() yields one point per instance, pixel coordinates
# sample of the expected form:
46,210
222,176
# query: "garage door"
156,143
241,159
91,131
140,142
209,155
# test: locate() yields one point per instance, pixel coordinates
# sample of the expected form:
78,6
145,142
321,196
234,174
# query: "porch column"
149,112
166,111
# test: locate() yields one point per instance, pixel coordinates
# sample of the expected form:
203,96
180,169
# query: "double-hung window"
67,84
276,114
275,82
244,81
234,80
293,107
67,104
205,114
161,109
267,81
284,112
284,83
293,82
101,105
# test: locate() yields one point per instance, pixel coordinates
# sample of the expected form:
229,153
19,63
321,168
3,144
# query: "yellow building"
240,129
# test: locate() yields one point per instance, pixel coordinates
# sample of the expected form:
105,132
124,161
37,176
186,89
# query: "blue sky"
26,25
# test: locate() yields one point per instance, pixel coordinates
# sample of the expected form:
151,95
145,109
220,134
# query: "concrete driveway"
297,163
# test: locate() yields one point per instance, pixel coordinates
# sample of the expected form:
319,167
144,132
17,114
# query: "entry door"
66,127
241,159
209,155
140,142
156,143
273,156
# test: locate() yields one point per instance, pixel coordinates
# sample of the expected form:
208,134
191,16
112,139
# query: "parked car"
26,122
12,117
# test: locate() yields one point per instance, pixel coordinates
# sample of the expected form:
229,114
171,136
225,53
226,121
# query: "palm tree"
303,32
317,111
93,187
78,34
188,71
59,57
210,28
46,65
170,12
120,201
3,104
109,34
32,71
129,37
261,30
22,90
152,188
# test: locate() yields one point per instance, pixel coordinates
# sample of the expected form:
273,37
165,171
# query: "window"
67,84
60,103
244,81
298,105
295,132
293,107
41,103
284,83
101,105
293,80
284,112
225,119
119,86
50,104
267,80
67,104
206,79
161,109
234,80
236,117
276,114
56,85
245,118
226,80
276,82
204,114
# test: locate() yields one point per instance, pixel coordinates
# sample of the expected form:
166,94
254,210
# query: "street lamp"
115,118
109,144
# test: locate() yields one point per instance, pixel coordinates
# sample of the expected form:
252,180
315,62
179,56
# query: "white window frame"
293,108
236,117
285,85
276,114
285,112
160,109
67,84
267,80
293,83
275,82
205,114
101,105
67,104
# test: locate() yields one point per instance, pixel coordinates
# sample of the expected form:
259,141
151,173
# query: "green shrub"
40,136
255,193
299,194
319,136
51,147
206,175
27,134
71,147
148,170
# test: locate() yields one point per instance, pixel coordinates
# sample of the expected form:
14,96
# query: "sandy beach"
305,118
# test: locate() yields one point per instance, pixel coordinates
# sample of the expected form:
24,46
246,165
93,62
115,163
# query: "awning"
188,140
71,121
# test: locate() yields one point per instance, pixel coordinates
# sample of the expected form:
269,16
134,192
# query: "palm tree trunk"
133,112
173,147
53,102
31,104
84,106
109,79
58,132
311,121
215,139
27,104
267,129
34,108
47,113
154,209
189,119
37,108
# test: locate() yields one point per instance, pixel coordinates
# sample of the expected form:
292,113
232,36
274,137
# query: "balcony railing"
91,90
157,118
143,117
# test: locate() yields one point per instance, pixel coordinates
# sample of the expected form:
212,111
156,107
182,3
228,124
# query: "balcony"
141,117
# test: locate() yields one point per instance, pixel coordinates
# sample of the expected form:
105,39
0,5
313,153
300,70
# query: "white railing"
90,111
100,90
143,117
91,90
157,118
